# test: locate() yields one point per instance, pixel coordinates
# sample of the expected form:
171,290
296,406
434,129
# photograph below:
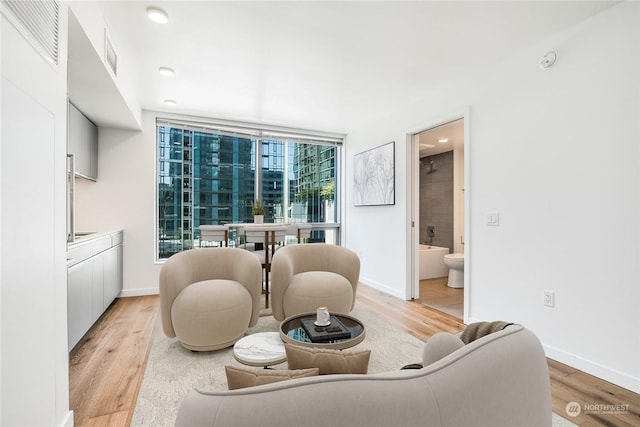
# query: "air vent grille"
110,56
40,20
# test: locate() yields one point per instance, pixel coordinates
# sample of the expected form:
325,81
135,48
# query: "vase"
258,219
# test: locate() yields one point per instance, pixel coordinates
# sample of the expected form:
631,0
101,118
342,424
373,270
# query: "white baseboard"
68,420
603,372
138,292
379,286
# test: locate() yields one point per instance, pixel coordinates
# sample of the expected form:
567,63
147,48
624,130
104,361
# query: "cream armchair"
307,276
209,297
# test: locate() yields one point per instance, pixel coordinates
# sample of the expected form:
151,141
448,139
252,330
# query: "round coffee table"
260,349
291,331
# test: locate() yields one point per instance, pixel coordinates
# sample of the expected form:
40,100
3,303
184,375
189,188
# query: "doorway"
439,217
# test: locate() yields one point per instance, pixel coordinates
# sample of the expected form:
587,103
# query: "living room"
554,151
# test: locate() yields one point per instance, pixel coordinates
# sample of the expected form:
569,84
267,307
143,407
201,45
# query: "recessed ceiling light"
166,71
443,140
427,145
157,15
170,102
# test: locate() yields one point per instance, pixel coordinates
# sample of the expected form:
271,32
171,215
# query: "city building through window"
210,174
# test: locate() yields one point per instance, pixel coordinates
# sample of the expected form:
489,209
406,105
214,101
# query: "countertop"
90,244
87,236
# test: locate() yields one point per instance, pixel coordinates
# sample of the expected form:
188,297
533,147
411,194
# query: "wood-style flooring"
107,367
436,294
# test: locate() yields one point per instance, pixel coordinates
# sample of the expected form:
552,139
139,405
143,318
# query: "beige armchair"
307,276
209,297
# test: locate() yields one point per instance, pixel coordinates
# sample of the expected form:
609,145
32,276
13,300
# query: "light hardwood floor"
107,367
436,294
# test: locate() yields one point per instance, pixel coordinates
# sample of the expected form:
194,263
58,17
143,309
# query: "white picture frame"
374,176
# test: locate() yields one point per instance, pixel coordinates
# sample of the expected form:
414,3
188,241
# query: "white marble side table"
260,349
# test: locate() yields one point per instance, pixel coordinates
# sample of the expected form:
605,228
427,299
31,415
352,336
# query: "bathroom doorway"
439,214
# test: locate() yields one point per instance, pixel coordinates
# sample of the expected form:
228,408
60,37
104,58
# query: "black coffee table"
291,331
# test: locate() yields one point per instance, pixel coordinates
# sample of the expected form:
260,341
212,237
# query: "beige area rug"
265,311
173,371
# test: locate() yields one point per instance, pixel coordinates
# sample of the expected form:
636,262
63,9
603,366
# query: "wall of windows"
209,175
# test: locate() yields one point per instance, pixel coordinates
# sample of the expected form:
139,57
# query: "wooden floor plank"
107,367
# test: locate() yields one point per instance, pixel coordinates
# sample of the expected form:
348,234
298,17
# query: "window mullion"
258,176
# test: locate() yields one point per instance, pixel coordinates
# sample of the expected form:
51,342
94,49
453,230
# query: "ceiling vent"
110,55
39,20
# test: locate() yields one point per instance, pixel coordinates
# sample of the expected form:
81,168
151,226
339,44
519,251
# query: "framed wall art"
374,176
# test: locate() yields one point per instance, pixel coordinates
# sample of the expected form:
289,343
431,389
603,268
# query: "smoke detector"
548,60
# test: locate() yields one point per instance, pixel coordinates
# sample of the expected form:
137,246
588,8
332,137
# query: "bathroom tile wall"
436,199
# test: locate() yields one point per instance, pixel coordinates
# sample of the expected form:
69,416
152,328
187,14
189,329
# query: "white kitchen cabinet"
94,280
112,275
83,144
79,300
97,286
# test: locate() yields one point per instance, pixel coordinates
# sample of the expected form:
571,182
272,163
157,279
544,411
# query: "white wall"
123,197
555,152
34,380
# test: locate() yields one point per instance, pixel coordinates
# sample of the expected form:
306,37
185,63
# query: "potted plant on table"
257,209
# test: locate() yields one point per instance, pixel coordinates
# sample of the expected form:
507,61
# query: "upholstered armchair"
307,276
209,297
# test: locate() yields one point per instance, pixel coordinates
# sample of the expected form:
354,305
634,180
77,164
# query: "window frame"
258,133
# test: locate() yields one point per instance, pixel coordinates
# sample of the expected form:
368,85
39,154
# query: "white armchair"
209,297
307,276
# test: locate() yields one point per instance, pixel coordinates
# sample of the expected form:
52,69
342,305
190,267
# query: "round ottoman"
211,314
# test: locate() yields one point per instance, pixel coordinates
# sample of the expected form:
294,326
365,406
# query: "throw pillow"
327,361
479,329
249,377
440,345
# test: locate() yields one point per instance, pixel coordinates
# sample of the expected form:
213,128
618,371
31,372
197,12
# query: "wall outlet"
548,298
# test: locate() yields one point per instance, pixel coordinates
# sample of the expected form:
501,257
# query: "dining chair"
303,232
214,233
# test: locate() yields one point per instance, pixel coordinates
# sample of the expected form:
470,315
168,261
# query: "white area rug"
173,371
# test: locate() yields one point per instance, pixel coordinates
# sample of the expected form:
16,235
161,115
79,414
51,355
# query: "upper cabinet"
83,144
104,94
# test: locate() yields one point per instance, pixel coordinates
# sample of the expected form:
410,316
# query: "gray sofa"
499,380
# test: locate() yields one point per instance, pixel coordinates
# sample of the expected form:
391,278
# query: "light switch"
493,218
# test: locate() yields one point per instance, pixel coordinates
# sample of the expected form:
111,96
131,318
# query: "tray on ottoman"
334,331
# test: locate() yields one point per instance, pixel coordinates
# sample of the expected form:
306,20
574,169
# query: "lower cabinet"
79,297
92,284
97,286
112,275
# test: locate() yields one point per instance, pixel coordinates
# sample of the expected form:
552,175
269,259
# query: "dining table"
269,234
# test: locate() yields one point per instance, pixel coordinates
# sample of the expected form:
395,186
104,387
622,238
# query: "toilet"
455,262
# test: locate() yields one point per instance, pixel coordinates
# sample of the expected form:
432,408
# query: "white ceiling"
320,65
453,132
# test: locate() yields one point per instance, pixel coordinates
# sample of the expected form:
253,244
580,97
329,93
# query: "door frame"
413,204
